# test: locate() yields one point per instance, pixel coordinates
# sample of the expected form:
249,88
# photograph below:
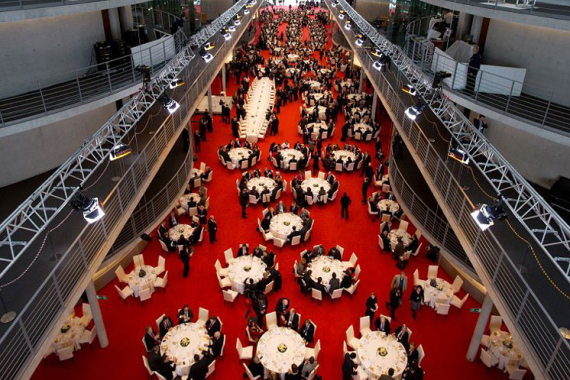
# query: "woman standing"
416,299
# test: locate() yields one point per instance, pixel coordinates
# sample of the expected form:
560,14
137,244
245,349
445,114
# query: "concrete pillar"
486,309
115,24
96,313
224,79
210,100
476,26
127,21
374,103
362,76
463,25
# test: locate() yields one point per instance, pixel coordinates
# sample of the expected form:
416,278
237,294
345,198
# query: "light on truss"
485,215
378,65
459,155
377,52
208,46
171,105
414,111
91,207
359,40
347,25
246,11
119,151
341,14
175,83
334,4
410,89
206,56
232,28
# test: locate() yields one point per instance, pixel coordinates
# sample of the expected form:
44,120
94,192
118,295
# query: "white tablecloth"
314,84
315,185
182,229
287,154
354,97
362,128
71,336
186,198
195,171
325,71
324,267
236,154
343,154
172,348
395,234
375,364
500,347
318,127
269,354
290,71
441,291
361,111
278,227
260,99
245,267
317,96
293,57
138,283
322,112
260,183
388,205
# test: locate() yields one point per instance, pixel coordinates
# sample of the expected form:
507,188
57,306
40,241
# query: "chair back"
218,266
338,167
496,322
442,308
228,296
147,366
269,288
313,373
416,277
337,293
316,294
139,261
350,333
317,349
488,359
357,272
203,314
161,262
211,368
517,374
421,354
456,286
239,347
353,259
364,323
432,271
307,174
145,294
65,353
385,188
248,372
350,167
353,288
202,167
164,280
292,166
415,253
296,240
162,245
381,243
403,226
321,175
120,272
229,256
271,320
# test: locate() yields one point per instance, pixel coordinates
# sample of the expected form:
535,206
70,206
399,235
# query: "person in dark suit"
402,334
199,369
281,208
294,208
371,306
269,259
259,304
281,308
389,376
151,339
293,233
346,280
212,229
154,358
382,324
480,123
172,220
395,299
165,325
243,250
255,367
320,286
334,283
345,201
308,279
165,369
162,233
202,215
413,354
243,201
349,366
185,315
307,331
213,325
292,320
217,344
185,258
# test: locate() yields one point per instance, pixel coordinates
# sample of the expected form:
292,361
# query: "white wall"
544,52
214,8
38,150
41,48
372,9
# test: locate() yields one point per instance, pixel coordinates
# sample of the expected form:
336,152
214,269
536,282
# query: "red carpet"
445,342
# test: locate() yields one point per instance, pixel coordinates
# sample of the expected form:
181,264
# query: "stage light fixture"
359,40
410,89
175,83
208,46
207,57
377,52
347,25
246,11
119,151
485,215
170,104
232,28
459,155
91,207
334,4
378,65
341,14
414,111
227,36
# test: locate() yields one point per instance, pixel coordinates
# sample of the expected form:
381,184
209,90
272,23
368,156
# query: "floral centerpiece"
142,273
439,287
287,223
326,269
282,347
508,344
382,351
315,185
184,342
247,268
65,328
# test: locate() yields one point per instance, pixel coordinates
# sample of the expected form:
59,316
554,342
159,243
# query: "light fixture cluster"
459,155
119,151
414,111
485,215
360,38
169,104
91,208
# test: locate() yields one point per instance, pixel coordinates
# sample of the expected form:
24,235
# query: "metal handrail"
38,319
10,5
541,111
80,86
525,315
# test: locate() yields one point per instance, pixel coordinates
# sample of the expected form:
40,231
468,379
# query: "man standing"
243,200
480,123
395,298
473,69
344,203
400,281
365,185
185,257
185,140
212,229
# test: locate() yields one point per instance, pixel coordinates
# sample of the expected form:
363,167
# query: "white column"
476,26
374,102
224,79
126,14
463,25
96,313
210,100
486,309
362,76
115,23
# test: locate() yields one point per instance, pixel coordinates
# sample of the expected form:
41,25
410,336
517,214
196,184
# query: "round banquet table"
269,354
318,127
245,267
261,183
361,111
499,343
287,154
317,96
322,112
237,154
362,128
281,230
442,290
72,336
386,205
182,229
377,365
290,71
314,84
324,267
195,171
186,198
343,154
172,348
315,185
138,283
354,97
293,57
395,234
325,71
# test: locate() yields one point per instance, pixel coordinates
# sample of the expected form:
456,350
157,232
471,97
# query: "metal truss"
546,227
30,219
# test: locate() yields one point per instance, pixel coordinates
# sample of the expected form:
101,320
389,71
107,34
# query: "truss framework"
30,219
546,227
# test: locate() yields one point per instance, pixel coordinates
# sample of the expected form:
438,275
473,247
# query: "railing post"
42,96
109,78
509,99
547,109
78,86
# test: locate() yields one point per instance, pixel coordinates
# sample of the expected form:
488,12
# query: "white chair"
252,199
125,293
313,373
86,317
279,243
403,226
88,336
488,359
341,250
458,303
271,320
351,340
352,288
164,248
417,280
224,282
145,295
229,256
495,324
120,273
230,296
295,241
457,283
268,288
432,271
360,374
317,295
381,243
245,353
211,367
313,352
249,375
421,354
307,174
161,282
158,320
515,373
159,269
65,353
485,341
336,294
202,167
351,262
357,272
222,272
441,309
203,316
321,175
138,261
364,325
147,366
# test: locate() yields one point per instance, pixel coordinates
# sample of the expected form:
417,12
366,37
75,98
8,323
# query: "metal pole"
96,314
361,84
224,79
374,102
210,100
486,309
8,316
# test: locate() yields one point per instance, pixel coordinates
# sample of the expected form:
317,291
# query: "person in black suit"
165,325
395,299
185,315
213,325
382,324
320,286
308,331
165,369
281,308
371,306
292,320
294,208
480,123
243,250
162,234
259,304
334,283
308,279
255,367
402,335
151,339
345,201
217,344
269,259
389,376
202,215
199,369
172,220
243,201
154,358
293,233
185,258
212,229
349,366
413,354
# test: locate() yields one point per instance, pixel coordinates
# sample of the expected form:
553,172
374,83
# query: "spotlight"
232,28
119,151
377,52
341,14
459,155
208,46
175,83
414,111
438,77
91,207
347,25
334,4
246,11
170,104
410,89
237,22
378,65
207,57
359,40
485,215
227,36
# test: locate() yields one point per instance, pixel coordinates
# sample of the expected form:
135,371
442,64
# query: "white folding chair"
364,325
421,355
432,271
229,256
145,294
222,272
120,273
211,368
271,320
456,286
249,375
230,296
442,309
352,288
245,353
403,226
161,282
495,324
203,316
268,288
357,272
147,366
317,295
351,262
124,293
307,174
88,336
458,303
515,373
336,294
321,175
87,316
65,353
224,282
488,359
351,340
313,352
161,266
296,240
